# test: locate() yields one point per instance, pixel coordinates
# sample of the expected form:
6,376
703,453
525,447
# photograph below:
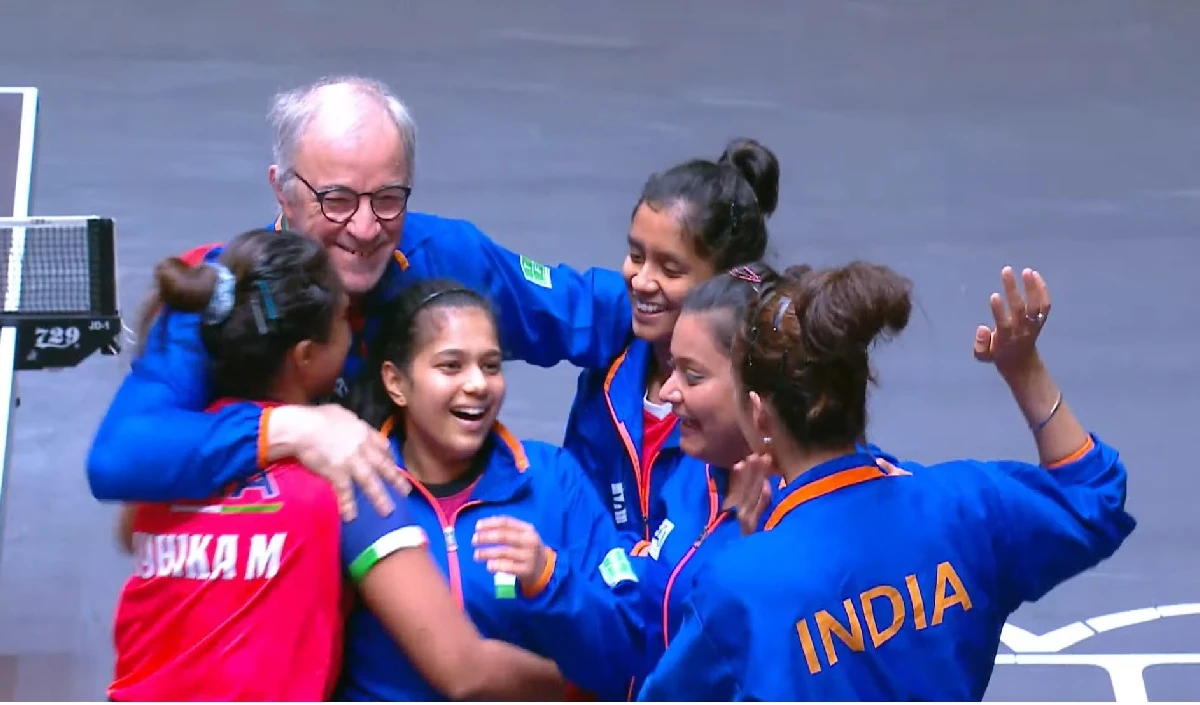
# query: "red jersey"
238,598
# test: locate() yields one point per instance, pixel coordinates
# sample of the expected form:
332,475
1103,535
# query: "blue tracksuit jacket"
156,443
604,432
868,586
693,528
589,586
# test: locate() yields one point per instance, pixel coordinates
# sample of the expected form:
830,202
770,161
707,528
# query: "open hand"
510,546
1012,345
347,451
750,489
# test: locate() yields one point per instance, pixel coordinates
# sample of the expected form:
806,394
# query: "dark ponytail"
805,346
285,290
183,287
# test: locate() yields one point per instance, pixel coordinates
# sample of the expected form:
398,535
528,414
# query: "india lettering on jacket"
209,556
861,621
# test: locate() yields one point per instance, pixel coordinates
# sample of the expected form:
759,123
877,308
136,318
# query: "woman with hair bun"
692,221
241,596
872,581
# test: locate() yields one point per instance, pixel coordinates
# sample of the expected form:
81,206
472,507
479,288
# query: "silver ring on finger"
1036,319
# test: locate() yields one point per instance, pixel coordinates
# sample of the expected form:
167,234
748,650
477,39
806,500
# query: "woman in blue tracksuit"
695,506
871,581
437,396
691,221
699,389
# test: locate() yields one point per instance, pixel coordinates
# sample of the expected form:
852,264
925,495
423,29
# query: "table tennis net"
54,266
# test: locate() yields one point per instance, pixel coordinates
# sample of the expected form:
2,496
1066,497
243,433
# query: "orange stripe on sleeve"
264,457
1077,455
543,579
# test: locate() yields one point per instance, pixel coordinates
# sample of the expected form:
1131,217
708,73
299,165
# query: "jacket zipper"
712,525
449,536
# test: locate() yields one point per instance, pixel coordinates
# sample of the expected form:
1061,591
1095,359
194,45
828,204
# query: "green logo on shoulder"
536,273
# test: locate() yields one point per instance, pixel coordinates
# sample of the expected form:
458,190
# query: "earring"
766,440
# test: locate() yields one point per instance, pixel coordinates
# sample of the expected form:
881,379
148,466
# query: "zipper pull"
707,530
451,542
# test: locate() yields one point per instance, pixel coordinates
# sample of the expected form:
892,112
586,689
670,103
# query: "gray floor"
944,138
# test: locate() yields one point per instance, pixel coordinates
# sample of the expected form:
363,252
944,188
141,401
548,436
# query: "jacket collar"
504,478
625,391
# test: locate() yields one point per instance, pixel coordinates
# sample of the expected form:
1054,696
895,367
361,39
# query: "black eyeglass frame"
357,196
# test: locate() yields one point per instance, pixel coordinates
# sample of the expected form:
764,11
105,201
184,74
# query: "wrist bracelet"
1037,428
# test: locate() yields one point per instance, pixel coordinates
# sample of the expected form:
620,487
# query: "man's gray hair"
356,97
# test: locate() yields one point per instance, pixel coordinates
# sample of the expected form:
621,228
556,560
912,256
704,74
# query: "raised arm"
547,315
1066,514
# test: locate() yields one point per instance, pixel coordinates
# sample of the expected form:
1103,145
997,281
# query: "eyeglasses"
339,204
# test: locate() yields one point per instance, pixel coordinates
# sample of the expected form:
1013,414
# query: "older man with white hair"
344,152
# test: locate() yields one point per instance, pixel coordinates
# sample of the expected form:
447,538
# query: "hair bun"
848,308
759,166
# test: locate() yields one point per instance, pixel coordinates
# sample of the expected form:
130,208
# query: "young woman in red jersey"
242,597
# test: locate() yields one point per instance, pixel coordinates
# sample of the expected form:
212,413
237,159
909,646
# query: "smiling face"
699,389
452,391
660,268
333,159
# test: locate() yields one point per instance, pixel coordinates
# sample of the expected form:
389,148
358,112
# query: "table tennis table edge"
22,193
